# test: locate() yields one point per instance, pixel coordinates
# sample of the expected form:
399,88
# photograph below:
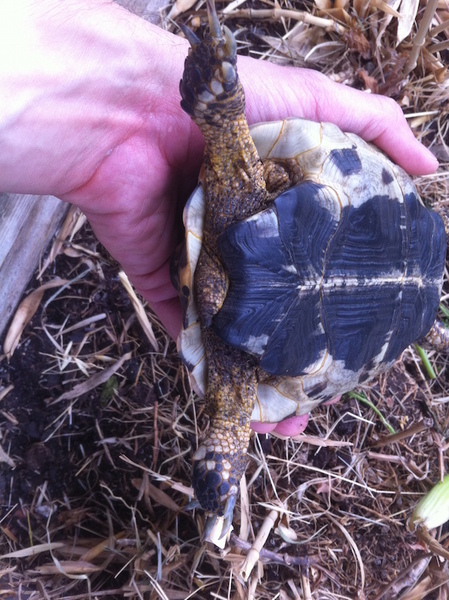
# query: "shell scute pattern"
305,276
349,197
346,160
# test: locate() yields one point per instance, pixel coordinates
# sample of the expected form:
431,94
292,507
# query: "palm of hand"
134,201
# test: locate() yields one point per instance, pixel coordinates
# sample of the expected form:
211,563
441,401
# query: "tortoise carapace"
310,264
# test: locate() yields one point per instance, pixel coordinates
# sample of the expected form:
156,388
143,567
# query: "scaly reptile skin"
235,188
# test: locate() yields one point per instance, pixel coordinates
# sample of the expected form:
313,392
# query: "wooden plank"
27,224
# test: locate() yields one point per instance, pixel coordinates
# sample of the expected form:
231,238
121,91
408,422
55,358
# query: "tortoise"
310,263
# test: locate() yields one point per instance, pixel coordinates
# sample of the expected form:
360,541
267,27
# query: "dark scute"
360,319
188,98
189,364
414,310
275,264
387,176
427,255
228,85
317,390
305,227
370,241
213,479
297,340
357,320
366,373
294,267
346,160
428,240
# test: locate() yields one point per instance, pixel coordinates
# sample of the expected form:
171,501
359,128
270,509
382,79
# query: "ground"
106,474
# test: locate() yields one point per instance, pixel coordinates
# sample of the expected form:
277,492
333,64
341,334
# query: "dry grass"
99,421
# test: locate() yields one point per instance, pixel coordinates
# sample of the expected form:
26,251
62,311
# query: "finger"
380,120
292,426
170,314
275,92
287,427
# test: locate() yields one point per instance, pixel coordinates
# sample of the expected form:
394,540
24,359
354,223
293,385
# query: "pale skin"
90,113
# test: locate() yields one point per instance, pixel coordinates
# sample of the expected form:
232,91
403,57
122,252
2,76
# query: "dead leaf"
388,6
24,313
357,41
179,7
140,311
161,497
33,550
106,544
407,11
73,222
370,82
5,458
361,7
94,381
5,391
394,5
68,567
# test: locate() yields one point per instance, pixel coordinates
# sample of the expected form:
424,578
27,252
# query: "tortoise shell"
328,285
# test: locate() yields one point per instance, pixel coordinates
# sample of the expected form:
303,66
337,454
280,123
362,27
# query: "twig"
276,14
419,39
269,555
254,552
401,435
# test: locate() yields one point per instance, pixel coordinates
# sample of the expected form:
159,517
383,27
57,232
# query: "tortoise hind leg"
220,460
437,338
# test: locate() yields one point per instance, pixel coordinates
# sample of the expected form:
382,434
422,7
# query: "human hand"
138,217
289,427
94,118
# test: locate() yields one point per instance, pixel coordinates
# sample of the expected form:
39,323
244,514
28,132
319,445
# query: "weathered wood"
27,224
147,9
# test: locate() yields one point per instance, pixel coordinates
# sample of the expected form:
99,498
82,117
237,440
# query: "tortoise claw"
192,505
211,522
217,528
228,514
192,38
231,44
214,23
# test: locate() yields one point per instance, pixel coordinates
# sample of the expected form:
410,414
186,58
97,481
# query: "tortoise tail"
437,338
